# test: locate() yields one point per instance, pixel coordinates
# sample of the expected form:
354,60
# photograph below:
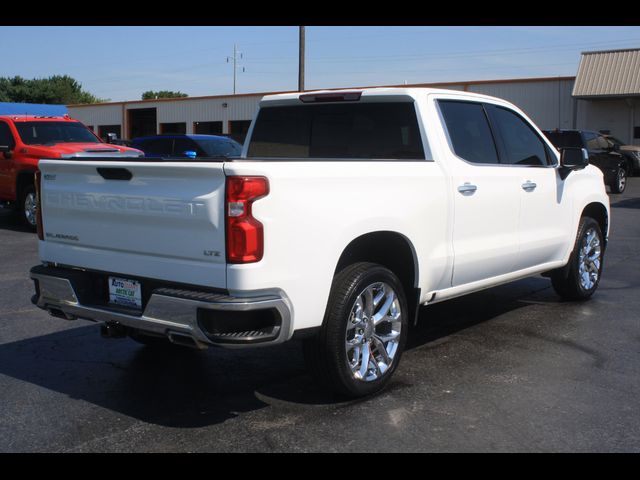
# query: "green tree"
57,89
151,95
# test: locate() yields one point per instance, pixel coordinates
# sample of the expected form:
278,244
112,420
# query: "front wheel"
620,183
29,207
579,279
363,333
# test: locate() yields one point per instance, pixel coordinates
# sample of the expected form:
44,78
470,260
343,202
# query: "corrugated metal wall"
203,110
608,73
618,116
188,111
547,102
96,115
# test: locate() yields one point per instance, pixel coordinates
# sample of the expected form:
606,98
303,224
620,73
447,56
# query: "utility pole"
301,60
234,59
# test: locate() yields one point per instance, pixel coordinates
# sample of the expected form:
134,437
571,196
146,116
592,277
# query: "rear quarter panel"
316,208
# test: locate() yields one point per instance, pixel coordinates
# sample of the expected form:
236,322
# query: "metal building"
228,115
602,97
607,90
546,100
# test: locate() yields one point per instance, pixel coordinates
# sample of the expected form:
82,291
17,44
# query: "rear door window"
358,131
469,131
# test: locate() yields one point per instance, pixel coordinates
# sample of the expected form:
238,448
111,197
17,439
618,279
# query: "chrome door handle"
467,189
529,186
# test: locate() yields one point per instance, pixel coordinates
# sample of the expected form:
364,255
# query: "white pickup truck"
346,211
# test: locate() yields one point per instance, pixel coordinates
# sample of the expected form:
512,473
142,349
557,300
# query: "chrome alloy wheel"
373,332
589,259
30,208
622,179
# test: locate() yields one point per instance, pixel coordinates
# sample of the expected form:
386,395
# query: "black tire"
326,354
25,192
620,182
566,281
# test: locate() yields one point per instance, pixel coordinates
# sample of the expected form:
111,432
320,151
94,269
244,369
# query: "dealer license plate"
125,292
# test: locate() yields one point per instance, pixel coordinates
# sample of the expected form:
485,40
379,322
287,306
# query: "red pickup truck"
25,139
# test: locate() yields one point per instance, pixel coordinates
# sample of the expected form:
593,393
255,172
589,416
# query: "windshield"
615,140
50,133
220,148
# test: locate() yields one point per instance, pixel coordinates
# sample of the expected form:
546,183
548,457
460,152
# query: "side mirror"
614,147
573,158
6,151
190,154
111,137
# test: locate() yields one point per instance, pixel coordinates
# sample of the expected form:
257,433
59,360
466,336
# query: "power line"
460,54
429,70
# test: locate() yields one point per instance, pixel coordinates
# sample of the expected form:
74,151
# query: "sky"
119,63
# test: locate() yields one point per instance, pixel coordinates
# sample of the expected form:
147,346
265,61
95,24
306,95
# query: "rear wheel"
579,279
620,182
363,333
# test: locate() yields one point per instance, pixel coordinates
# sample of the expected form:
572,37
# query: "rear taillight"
39,228
245,236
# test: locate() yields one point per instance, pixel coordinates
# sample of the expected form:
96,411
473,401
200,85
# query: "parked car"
187,146
25,139
346,211
631,152
602,153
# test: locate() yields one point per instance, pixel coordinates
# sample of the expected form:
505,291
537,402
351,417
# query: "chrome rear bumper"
171,311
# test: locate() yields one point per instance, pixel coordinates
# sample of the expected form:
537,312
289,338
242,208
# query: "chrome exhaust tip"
56,312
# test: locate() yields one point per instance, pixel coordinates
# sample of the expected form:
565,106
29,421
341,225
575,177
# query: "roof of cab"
193,136
38,118
375,92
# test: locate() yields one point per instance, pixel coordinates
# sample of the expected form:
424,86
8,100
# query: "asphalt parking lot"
512,368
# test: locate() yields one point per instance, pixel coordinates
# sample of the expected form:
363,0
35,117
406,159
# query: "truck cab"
25,139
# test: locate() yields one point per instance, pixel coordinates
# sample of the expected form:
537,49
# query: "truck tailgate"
165,222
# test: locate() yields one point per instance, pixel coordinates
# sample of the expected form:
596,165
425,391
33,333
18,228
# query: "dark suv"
187,146
603,153
631,152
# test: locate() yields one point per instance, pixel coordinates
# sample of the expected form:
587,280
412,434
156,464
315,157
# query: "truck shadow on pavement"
9,220
627,203
180,387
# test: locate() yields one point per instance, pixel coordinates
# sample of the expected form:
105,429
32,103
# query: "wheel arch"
23,179
600,214
392,250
